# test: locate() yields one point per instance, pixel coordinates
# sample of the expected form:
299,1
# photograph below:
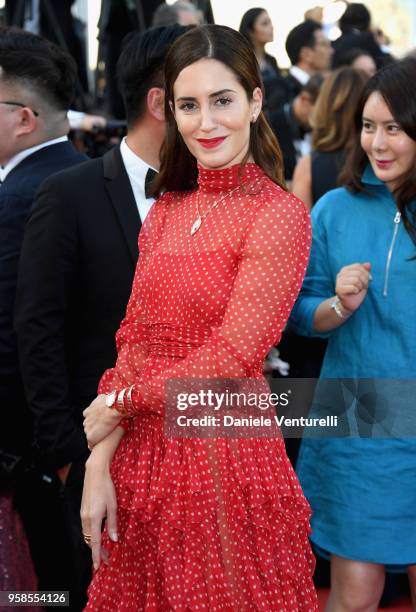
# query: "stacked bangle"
124,403
335,306
120,401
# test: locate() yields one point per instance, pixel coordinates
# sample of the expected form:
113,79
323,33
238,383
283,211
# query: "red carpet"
400,606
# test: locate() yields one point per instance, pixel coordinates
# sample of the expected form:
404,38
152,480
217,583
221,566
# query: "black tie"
148,182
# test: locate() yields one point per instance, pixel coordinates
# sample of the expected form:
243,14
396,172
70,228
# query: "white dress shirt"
32,21
137,169
299,74
19,157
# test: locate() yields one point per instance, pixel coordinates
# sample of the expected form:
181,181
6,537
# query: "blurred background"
93,29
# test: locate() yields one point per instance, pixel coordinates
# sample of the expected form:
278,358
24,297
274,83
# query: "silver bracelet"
335,307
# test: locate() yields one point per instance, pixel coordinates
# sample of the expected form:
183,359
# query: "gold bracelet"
120,401
129,400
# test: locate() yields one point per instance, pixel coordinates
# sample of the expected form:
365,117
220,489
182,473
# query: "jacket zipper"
396,221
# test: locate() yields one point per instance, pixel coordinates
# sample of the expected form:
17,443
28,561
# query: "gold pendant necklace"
199,218
196,225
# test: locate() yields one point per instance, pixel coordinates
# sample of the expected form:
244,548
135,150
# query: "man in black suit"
309,51
37,81
291,124
76,272
356,33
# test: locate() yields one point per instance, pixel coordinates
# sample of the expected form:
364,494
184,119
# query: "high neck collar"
228,178
369,178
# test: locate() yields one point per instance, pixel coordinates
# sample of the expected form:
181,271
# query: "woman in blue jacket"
360,292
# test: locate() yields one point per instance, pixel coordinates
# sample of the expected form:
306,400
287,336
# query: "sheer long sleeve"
271,267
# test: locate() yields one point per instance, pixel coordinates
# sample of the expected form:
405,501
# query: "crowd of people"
247,208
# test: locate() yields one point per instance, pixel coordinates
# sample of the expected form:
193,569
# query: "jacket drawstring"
396,221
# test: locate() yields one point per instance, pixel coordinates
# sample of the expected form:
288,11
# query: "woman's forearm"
326,319
103,452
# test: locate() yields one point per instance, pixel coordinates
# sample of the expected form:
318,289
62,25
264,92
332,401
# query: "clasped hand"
352,285
99,421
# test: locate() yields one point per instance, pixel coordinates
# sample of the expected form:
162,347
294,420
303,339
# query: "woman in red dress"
196,523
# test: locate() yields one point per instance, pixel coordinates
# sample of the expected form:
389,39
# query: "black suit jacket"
77,267
359,40
294,86
16,199
287,131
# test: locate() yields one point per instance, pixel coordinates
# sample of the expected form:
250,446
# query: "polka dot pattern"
218,524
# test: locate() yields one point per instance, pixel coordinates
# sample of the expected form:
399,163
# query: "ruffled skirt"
205,525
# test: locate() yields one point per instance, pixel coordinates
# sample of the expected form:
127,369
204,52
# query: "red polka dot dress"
217,524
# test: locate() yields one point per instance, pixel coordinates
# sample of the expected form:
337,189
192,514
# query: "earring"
253,118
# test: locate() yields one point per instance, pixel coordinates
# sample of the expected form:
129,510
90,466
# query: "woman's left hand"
99,421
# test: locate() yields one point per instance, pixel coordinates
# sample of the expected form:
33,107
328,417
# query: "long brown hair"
178,170
396,83
333,113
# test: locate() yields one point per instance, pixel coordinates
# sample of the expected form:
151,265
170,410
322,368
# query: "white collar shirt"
136,170
299,74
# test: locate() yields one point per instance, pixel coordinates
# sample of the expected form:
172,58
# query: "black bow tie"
148,182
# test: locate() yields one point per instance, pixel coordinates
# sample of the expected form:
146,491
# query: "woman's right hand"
352,285
98,502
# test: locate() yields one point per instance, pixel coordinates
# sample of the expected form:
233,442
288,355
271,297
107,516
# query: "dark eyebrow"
213,95
383,122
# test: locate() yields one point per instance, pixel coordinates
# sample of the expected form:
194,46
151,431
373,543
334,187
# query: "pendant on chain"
196,225
198,221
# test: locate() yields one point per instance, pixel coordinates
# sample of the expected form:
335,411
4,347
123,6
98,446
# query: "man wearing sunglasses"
37,81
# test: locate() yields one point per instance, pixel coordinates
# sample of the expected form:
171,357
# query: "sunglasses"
20,104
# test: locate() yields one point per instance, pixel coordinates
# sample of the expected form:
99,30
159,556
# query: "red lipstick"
383,163
211,143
